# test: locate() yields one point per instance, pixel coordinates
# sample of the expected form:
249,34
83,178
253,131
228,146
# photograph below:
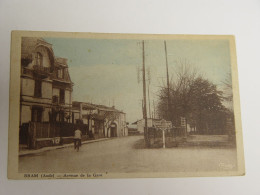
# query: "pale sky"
105,71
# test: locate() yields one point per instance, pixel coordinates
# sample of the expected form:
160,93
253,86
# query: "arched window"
38,59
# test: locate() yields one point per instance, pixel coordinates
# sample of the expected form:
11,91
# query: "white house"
102,121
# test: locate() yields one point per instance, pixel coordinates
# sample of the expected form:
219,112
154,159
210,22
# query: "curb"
45,149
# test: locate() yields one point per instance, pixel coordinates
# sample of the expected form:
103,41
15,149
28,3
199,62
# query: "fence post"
163,131
54,129
34,135
30,135
49,127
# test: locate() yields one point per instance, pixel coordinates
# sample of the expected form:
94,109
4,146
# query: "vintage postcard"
89,105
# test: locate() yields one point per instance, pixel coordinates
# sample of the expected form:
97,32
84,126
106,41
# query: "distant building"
132,129
102,121
141,124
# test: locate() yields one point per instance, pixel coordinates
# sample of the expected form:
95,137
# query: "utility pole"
143,107
144,97
168,84
154,110
149,101
148,86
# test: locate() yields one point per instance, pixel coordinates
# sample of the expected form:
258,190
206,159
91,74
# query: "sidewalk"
32,152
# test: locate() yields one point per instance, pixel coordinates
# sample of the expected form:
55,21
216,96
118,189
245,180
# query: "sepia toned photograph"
86,105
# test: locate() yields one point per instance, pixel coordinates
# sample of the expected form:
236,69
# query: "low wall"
47,142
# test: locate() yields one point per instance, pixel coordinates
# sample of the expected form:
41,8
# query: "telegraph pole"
154,110
149,101
168,84
143,107
148,86
144,96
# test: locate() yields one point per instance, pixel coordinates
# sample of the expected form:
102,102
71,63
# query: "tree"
179,90
228,101
228,91
206,106
195,98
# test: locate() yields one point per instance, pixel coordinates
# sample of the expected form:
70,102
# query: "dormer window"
38,59
61,73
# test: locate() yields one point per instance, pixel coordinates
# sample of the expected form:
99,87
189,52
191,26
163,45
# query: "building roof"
90,106
29,44
132,126
155,119
85,105
61,61
107,108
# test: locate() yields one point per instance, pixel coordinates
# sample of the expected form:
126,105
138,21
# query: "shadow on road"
189,143
140,144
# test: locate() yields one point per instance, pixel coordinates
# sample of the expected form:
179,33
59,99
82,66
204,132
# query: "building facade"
46,87
102,121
